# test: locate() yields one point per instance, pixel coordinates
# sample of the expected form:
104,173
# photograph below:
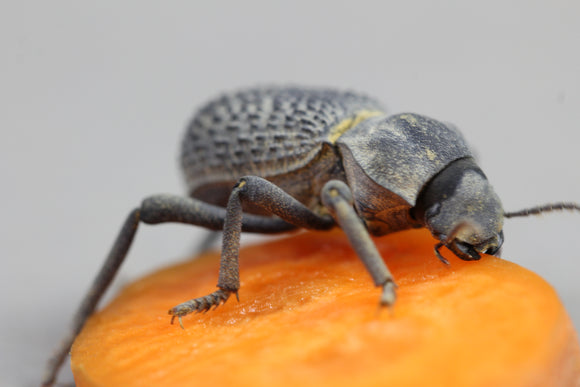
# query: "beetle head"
461,209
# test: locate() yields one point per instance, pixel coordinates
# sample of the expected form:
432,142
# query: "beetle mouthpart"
464,250
461,250
491,246
438,254
469,252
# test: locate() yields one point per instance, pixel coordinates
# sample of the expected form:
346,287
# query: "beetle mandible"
316,158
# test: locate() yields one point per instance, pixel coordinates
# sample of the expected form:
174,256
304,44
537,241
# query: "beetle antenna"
544,208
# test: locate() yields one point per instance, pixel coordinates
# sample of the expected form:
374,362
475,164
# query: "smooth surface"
308,316
95,98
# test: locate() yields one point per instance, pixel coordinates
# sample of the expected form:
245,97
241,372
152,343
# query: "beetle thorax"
388,160
382,210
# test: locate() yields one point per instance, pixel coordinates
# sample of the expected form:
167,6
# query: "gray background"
95,97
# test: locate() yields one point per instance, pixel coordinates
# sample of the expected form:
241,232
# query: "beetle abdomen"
266,132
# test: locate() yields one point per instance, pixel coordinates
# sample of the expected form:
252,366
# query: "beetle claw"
201,304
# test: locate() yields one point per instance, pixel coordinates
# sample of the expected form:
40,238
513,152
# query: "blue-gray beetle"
273,159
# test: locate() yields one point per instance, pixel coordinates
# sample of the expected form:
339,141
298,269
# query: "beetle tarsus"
201,304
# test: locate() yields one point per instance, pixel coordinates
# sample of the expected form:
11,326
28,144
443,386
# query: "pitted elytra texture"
263,132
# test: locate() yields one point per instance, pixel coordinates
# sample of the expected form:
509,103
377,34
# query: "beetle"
273,159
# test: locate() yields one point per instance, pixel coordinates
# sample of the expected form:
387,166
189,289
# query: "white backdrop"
95,97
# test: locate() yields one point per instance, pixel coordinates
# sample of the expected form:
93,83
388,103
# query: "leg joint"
334,191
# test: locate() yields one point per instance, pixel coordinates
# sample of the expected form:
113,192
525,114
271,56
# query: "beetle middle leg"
337,197
271,198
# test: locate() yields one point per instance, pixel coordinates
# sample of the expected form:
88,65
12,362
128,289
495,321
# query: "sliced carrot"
308,315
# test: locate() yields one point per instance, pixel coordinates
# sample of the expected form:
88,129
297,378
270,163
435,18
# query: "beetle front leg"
337,197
